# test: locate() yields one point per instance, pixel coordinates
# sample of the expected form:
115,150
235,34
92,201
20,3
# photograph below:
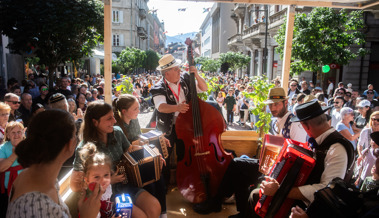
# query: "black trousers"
240,176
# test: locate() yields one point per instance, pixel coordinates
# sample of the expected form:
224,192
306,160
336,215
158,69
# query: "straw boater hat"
276,95
168,61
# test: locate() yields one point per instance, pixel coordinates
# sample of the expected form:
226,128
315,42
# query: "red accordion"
291,169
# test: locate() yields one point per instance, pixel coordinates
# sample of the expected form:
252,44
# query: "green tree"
56,31
261,88
151,60
131,59
208,64
234,60
322,37
213,86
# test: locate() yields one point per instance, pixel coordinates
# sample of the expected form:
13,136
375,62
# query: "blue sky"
177,22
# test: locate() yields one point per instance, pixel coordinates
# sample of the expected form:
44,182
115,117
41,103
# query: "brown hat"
276,95
168,61
309,98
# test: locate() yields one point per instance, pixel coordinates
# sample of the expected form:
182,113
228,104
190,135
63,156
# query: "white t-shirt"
336,117
330,89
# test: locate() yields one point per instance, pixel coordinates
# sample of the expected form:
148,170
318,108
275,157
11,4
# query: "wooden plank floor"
179,207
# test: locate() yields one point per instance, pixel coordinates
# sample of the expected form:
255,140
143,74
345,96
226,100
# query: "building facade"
216,29
250,21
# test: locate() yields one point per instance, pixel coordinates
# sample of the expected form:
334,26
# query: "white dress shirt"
335,165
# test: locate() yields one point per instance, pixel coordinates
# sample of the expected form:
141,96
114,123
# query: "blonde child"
97,169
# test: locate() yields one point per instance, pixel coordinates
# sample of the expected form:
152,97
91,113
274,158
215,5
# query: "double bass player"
171,96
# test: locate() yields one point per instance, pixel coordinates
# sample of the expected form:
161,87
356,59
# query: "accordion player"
141,167
156,138
292,167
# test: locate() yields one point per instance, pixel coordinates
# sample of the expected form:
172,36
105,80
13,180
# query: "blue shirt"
340,126
5,152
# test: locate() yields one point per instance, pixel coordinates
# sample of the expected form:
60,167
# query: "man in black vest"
171,96
333,153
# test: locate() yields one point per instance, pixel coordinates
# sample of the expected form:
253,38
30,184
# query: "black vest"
321,151
165,121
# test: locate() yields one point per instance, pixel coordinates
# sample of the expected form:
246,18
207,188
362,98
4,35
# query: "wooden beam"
370,5
320,3
288,46
108,51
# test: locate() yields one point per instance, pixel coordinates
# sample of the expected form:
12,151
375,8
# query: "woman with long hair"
98,128
49,143
365,111
81,101
126,110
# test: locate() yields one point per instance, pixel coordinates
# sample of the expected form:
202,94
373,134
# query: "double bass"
200,171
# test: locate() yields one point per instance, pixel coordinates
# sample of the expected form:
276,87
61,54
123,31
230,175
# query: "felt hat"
276,95
168,61
308,111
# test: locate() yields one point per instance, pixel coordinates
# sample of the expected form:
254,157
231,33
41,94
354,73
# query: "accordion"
291,169
157,139
140,167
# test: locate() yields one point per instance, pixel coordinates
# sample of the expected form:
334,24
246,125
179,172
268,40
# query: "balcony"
142,32
235,40
278,18
239,9
142,13
255,31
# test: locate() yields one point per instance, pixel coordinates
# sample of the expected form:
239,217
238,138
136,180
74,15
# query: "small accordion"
141,167
156,138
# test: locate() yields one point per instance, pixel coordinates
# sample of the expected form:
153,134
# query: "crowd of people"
342,122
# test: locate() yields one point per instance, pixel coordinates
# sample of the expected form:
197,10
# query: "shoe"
207,207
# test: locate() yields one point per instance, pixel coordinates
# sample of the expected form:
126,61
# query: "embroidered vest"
165,121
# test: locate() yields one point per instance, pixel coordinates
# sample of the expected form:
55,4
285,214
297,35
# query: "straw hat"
309,98
276,95
168,61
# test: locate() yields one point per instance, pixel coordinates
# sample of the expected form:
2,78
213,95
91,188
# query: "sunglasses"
15,102
336,102
293,85
371,93
44,89
341,93
373,119
348,95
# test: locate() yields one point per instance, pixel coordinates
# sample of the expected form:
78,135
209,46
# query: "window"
207,40
117,17
116,40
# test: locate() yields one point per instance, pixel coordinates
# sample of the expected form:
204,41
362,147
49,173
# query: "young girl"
98,128
372,182
97,169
